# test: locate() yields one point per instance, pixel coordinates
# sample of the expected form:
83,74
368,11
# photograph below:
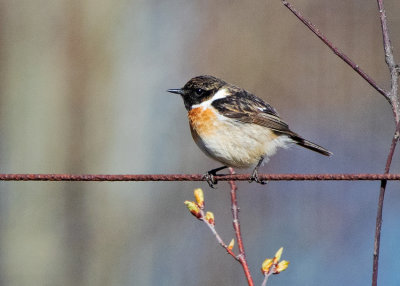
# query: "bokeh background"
83,90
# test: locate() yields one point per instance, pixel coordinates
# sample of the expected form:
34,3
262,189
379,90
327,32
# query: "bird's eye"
200,91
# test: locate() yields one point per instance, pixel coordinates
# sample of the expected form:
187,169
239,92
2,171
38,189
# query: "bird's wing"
248,108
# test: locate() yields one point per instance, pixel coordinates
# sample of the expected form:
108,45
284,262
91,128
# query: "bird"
235,127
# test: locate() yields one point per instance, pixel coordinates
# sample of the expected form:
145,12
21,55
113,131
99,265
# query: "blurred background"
83,90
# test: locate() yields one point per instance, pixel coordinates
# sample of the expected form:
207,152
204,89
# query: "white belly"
239,144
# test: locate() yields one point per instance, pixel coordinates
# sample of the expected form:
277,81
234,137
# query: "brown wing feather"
248,108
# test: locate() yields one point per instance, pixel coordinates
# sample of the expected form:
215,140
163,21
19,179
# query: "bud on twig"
273,266
283,265
278,255
210,218
231,244
266,265
193,208
199,196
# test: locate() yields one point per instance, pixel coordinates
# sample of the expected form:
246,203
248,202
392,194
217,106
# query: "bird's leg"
254,175
209,176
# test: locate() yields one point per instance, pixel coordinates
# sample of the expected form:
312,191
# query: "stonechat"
235,127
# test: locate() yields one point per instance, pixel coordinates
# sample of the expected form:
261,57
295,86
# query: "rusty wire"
197,177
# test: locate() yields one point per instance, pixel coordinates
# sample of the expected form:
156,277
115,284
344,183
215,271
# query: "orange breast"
202,121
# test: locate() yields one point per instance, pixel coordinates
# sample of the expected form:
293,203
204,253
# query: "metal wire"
197,177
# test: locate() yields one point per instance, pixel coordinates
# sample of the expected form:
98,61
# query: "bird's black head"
198,89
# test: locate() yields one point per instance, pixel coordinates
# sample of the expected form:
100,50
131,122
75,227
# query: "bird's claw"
209,178
254,178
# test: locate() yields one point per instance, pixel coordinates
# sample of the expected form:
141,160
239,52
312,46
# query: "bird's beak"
177,91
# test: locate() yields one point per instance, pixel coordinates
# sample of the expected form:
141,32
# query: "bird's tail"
310,145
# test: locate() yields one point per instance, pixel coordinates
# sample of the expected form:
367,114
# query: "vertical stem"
264,283
236,226
378,226
394,100
389,58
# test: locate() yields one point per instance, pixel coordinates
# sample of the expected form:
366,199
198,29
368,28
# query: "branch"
394,100
389,58
217,236
236,226
378,225
337,52
391,96
264,283
197,210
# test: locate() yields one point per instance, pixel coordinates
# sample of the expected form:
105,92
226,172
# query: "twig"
391,96
197,209
337,52
389,58
236,226
264,283
267,275
394,100
218,237
195,177
378,225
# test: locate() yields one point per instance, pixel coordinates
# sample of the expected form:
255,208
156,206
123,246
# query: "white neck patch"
222,93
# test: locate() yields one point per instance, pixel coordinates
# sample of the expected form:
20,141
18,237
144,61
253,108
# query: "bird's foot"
209,176
254,178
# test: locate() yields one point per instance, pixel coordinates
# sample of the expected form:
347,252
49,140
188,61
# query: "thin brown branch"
337,52
195,177
389,58
391,96
217,236
267,275
394,100
264,283
378,226
236,226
